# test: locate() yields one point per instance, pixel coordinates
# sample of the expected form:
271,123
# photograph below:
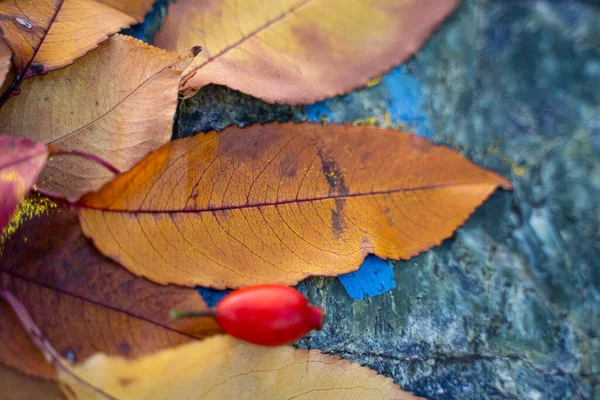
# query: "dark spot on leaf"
291,172
70,355
333,175
125,381
125,348
196,50
337,217
37,68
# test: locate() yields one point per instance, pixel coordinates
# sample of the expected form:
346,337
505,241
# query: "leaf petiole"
56,197
178,314
54,150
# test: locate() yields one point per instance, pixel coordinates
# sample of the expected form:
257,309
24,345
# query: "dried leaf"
5,61
83,302
16,386
279,202
117,103
20,164
297,51
225,368
47,35
136,8
218,368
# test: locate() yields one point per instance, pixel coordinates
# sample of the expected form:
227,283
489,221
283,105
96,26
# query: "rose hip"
269,314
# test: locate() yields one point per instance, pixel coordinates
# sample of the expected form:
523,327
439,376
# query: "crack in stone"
464,358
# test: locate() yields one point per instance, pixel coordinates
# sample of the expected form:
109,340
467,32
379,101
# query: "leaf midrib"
252,34
278,203
93,302
112,109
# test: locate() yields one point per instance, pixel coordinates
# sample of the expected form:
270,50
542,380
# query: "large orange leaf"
226,368
51,34
83,302
297,51
117,103
136,8
279,202
21,162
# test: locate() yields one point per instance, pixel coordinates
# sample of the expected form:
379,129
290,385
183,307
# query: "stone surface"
510,307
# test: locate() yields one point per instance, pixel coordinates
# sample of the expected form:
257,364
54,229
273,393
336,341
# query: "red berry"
269,315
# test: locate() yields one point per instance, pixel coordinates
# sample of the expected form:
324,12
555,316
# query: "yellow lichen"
517,170
370,121
493,150
387,120
31,207
374,82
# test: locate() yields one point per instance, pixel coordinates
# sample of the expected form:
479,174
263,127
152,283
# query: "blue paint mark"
211,296
404,107
406,102
374,277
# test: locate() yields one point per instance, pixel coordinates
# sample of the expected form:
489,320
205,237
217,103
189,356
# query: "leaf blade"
280,202
83,302
21,162
78,108
223,367
138,9
5,61
300,51
37,32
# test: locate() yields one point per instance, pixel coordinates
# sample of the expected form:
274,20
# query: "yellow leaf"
136,8
5,61
225,368
47,35
117,103
297,51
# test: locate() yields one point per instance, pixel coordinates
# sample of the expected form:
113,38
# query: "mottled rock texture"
510,307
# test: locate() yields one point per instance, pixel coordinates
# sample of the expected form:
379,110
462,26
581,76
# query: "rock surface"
510,307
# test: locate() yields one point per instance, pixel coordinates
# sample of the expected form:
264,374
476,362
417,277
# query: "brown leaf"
5,61
225,368
83,302
51,34
218,368
117,103
20,164
136,8
279,202
16,386
297,51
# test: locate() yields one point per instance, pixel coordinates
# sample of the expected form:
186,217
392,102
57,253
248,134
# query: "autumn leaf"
225,368
117,103
216,368
279,202
47,35
20,164
16,386
5,61
136,8
298,51
83,302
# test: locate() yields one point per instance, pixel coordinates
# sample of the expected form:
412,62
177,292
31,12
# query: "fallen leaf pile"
268,203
